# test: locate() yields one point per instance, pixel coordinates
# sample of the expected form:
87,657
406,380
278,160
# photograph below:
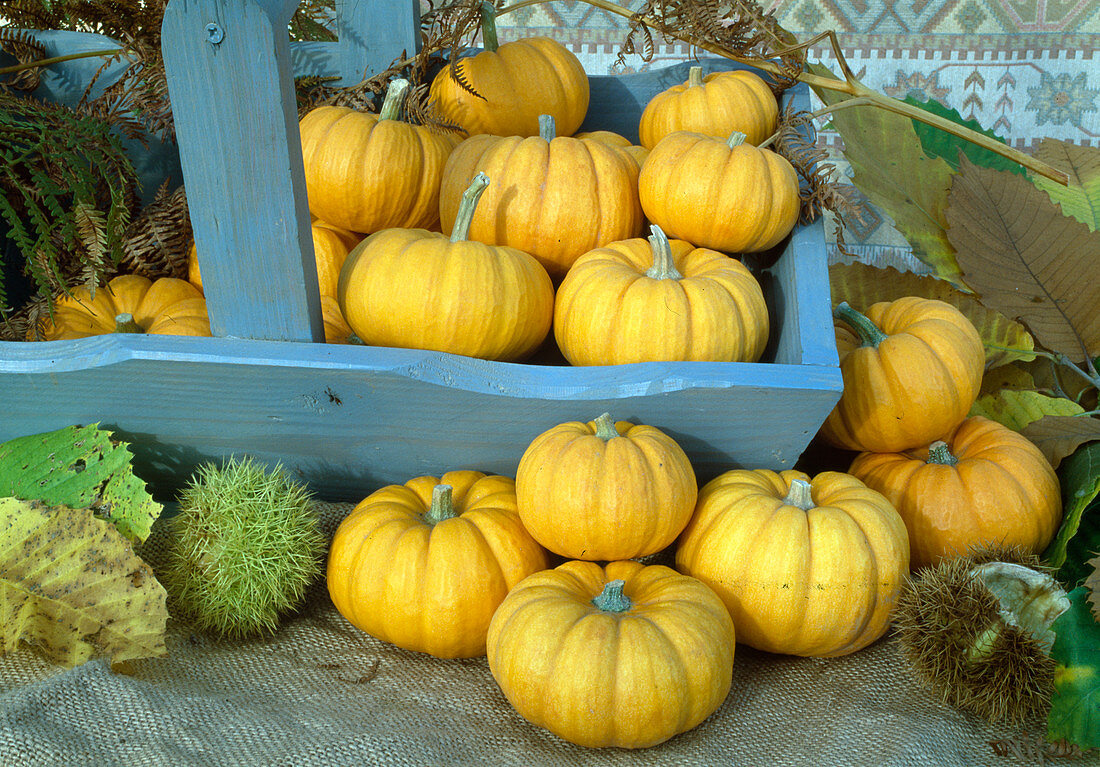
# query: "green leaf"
1075,704
72,587
893,171
938,143
1016,409
1079,476
79,467
1080,198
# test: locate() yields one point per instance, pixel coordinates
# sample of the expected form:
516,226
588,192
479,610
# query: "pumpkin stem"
605,427
612,599
695,77
461,230
124,323
939,452
663,266
442,505
737,138
395,97
1027,599
800,495
547,129
869,333
489,26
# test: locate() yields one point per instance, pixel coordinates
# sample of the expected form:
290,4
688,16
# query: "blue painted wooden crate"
348,419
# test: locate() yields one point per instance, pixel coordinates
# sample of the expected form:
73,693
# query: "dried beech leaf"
862,285
1059,435
1016,409
72,587
893,171
1011,377
1027,260
1080,198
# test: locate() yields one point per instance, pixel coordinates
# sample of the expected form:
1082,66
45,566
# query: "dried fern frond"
156,242
24,48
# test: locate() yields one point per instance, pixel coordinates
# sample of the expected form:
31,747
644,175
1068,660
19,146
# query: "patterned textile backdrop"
1023,68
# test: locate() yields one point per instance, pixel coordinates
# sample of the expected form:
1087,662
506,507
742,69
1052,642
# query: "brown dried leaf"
1026,259
1080,198
1059,435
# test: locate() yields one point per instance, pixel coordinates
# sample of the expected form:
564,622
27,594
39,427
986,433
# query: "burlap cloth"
320,692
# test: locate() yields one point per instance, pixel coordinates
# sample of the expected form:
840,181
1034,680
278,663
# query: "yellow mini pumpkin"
806,567
367,172
639,301
624,656
724,195
912,369
604,490
424,565
983,484
617,141
128,303
417,289
715,105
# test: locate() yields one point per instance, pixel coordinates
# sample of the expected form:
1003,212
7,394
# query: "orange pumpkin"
604,490
716,105
555,198
367,172
617,141
724,195
912,369
638,301
128,303
514,83
983,484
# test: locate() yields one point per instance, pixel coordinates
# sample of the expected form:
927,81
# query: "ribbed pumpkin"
624,656
330,249
367,172
555,198
424,565
982,484
418,289
912,369
129,303
604,490
337,330
616,141
514,83
725,195
716,105
806,567
639,301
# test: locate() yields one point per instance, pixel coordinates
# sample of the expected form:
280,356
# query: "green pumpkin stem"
442,505
461,230
612,599
547,129
800,495
124,323
939,452
664,268
869,333
489,26
605,427
737,138
395,97
695,77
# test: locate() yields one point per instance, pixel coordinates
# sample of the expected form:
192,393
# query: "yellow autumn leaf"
1016,409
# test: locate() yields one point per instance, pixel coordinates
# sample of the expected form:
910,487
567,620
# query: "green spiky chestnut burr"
976,631
245,547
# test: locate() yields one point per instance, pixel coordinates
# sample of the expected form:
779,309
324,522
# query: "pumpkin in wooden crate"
552,197
912,369
128,303
716,105
605,490
417,289
424,565
503,89
622,656
367,172
808,567
720,194
983,484
639,301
